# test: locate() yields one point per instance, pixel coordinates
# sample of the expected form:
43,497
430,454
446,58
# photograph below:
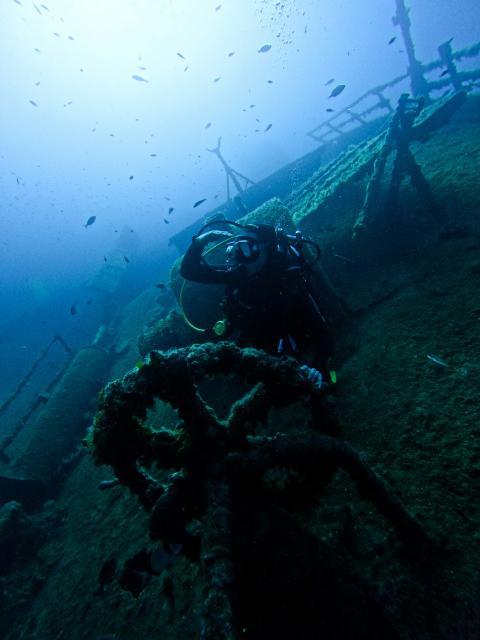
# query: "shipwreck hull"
59,426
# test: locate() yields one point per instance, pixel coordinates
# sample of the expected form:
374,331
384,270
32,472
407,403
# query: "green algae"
272,212
317,193
417,424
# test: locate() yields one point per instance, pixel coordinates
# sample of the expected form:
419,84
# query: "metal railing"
40,398
362,111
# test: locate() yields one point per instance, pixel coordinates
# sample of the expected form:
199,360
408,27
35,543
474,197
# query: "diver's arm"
317,337
196,269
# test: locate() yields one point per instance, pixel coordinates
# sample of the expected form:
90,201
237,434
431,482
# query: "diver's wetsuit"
272,309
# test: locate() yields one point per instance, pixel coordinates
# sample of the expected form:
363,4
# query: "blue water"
81,136
109,110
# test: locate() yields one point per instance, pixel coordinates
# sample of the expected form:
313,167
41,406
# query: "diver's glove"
212,236
314,376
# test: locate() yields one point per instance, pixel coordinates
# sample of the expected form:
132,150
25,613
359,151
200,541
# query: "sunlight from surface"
95,91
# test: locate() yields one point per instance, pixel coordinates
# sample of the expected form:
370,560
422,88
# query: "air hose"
182,290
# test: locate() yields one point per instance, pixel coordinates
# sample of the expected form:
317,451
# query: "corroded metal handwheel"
203,458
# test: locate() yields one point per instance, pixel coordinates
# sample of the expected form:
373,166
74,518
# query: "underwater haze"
101,116
271,430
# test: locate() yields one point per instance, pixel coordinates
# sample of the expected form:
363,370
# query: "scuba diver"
268,301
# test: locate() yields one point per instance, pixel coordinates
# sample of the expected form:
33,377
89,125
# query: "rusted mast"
419,85
232,174
445,51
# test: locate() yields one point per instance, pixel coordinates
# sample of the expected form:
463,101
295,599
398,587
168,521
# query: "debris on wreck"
324,187
209,461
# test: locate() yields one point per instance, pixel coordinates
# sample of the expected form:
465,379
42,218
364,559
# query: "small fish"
139,78
208,125
153,155
126,259
37,50
89,302
337,91
108,484
18,2
444,73
37,9
73,309
329,81
45,7
270,81
57,34
392,40
18,180
264,48
142,68
186,68
329,110
90,221
104,258
37,83
130,178
170,211
72,38
166,221
217,79
252,106
34,103
218,7
180,55
232,53
198,203
268,127
437,360
160,285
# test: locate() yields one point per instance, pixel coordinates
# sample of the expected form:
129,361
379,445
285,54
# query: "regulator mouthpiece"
220,328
